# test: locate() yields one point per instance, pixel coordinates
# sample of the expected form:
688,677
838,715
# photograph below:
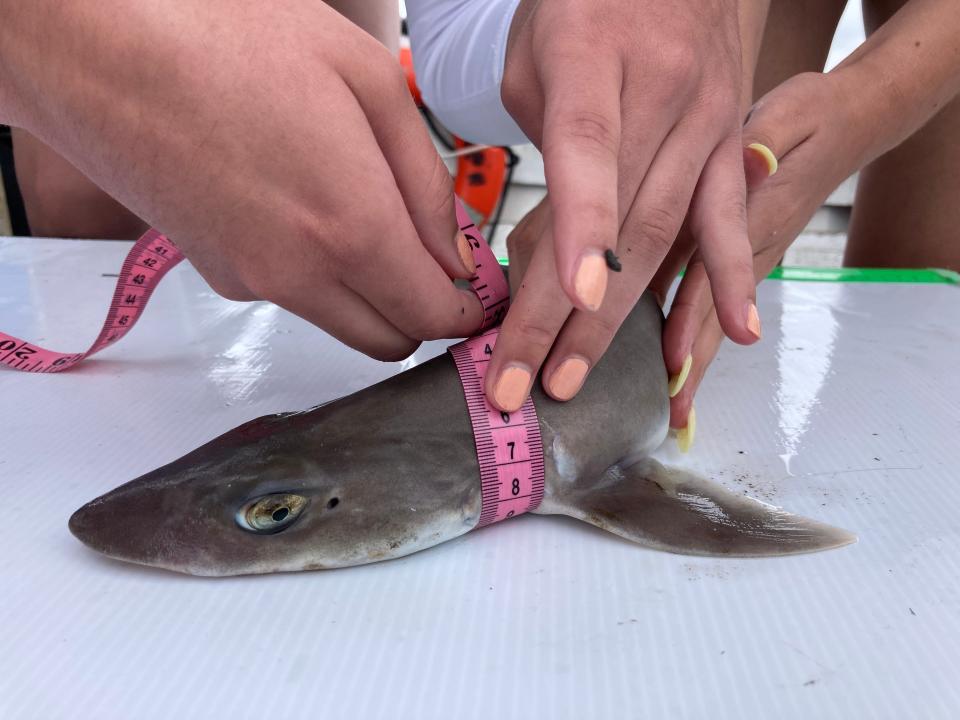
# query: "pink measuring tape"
509,447
151,257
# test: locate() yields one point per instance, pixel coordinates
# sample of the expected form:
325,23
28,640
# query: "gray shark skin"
392,469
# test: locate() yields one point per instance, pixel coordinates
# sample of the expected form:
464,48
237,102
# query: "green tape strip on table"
844,274
871,275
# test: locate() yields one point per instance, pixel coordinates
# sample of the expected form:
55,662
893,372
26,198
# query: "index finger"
581,144
406,284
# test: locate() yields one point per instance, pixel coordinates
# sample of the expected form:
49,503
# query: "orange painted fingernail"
566,380
753,320
768,157
590,282
466,253
511,388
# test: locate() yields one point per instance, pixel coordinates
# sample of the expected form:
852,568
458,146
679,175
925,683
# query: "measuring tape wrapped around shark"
394,469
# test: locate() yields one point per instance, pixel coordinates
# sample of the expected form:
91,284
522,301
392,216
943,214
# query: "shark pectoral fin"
673,510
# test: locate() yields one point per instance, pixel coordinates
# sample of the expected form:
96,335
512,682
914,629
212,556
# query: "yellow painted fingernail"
685,435
677,381
768,157
568,377
590,282
512,387
753,320
466,253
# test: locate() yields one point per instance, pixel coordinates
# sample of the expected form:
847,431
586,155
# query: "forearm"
61,57
21,70
905,72
19,19
94,80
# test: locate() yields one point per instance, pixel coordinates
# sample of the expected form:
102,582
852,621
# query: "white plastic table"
848,411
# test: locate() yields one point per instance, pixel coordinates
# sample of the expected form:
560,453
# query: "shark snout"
136,524
117,527
84,527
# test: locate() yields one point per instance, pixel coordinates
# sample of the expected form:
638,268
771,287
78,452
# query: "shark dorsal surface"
392,469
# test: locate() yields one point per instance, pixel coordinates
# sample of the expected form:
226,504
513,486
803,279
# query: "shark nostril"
333,502
280,513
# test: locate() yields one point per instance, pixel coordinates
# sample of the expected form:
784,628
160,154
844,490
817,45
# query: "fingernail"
677,381
753,320
466,253
768,157
512,387
566,380
590,282
685,435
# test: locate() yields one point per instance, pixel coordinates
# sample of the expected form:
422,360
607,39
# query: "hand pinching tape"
489,283
509,447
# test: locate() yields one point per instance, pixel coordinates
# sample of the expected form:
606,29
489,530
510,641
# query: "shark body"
392,470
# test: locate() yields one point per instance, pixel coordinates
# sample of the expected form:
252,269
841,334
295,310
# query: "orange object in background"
481,179
481,176
406,62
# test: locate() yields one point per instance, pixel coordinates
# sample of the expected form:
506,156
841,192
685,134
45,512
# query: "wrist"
868,109
901,81
12,34
42,54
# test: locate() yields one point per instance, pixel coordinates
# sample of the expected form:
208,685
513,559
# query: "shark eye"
271,513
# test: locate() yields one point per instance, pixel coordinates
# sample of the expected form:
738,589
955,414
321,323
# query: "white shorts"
459,47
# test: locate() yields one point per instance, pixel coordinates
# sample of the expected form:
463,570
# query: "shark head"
253,501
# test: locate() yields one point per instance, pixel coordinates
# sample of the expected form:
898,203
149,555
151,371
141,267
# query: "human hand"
635,105
277,145
818,135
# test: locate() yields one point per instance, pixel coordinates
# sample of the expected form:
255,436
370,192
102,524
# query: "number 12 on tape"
509,447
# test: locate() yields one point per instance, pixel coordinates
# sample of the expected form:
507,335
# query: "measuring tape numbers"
151,257
509,446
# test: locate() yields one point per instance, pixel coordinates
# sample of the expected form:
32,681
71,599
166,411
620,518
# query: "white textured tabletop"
848,411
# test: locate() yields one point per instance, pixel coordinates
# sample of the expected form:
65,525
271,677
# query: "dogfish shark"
392,470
